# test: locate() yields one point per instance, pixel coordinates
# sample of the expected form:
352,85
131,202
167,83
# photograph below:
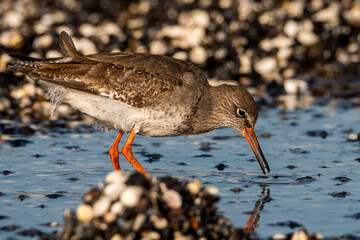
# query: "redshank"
145,94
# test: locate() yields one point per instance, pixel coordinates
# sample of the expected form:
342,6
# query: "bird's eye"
240,112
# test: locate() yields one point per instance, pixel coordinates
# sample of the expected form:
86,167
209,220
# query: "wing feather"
136,79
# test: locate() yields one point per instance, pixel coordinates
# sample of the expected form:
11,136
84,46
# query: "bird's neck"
207,116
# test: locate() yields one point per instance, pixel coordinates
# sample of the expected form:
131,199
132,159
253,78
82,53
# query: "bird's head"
238,110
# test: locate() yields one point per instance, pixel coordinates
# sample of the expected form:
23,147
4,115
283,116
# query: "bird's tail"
28,64
23,64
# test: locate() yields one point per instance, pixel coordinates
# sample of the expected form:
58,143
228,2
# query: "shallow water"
303,188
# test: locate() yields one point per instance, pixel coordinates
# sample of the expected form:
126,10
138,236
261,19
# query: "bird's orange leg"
127,152
114,152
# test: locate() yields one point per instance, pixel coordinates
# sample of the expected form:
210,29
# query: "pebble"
12,19
109,217
212,190
299,235
159,222
87,29
26,90
278,236
85,46
43,41
173,199
113,190
53,54
117,208
11,39
307,38
158,47
353,137
84,213
117,237
182,55
101,206
266,66
198,55
291,28
295,86
115,177
4,104
130,196
165,209
195,18
138,222
194,186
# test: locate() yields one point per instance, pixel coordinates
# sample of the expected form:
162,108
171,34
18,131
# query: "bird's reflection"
252,223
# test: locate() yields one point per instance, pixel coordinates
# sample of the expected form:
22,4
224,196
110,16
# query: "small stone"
11,39
353,15
299,235
85,46
158,47
353,137
4,60
291,28
27,90
117,208
295,86
266,66
109,28
182,55
195,18
278,236
12,19
183,37
5,104
173,199
113,190
144,7
87,30
307,38
84,213
54,224
41,28
198,55
53,54
159,222
101,206
151,235
343,179
138,222
284,54
109,217
43,41
115,177
220,54
225,3
212,190
130,197
329,14
194,186
281,41
117,237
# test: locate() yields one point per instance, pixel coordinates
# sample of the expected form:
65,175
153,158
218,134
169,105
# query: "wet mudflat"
313,181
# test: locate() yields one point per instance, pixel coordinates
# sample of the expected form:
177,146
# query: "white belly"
156,121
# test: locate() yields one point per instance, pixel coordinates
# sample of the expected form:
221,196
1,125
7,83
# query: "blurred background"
300,60
271,47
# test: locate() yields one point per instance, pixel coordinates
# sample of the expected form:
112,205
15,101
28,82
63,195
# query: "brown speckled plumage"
146,94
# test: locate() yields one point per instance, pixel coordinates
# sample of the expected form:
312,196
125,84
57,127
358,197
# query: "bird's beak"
249,134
